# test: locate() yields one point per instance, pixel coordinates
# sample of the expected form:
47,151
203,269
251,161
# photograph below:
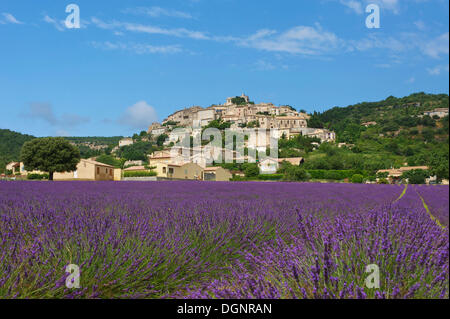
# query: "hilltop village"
395,140
240,113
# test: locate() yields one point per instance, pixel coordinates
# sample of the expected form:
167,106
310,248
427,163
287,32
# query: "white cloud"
392,5
354,5
59,25
373,41
149,29
9,18
138,48
437,70
358,6
139,116
156,12
302,40
437,46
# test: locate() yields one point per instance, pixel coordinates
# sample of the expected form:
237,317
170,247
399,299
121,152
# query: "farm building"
216,174
19,168
179,171
88,170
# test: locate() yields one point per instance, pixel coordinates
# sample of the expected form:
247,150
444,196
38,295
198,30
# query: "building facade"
88,170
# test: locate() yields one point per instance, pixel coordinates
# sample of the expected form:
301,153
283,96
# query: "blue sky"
134,62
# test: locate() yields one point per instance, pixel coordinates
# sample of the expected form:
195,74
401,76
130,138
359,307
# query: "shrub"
416,176
357,178
296,173
270,177
35,176
139,174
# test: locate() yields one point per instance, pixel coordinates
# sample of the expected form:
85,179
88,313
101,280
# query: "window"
170,170
185,172
98,170
164,170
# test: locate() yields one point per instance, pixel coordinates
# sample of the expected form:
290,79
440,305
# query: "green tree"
296,173
439,162
161,139
238,100
50,154
250,169
416,176
358,179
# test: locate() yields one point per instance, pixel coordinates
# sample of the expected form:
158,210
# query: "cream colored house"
15,167
394,174
88,170
179,171
216,174
440,112
160,157
19,168
117,174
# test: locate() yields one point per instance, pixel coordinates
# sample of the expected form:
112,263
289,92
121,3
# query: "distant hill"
391,112
10,145
11,142
387,133
95,140
398,133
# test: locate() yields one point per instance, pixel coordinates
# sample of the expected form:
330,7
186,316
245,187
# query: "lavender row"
218,240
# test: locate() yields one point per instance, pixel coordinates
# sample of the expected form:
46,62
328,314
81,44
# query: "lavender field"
223,240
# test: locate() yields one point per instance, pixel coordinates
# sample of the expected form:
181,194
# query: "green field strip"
402,194
429,213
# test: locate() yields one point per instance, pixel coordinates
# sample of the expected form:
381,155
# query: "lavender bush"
220,240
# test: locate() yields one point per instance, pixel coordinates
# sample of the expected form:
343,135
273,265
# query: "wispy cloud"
9,18
304,40
138,116
358,6
59,25
156,12
437,70
437,46
137,48
354,5
150,29
44,112
376,41
298,40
